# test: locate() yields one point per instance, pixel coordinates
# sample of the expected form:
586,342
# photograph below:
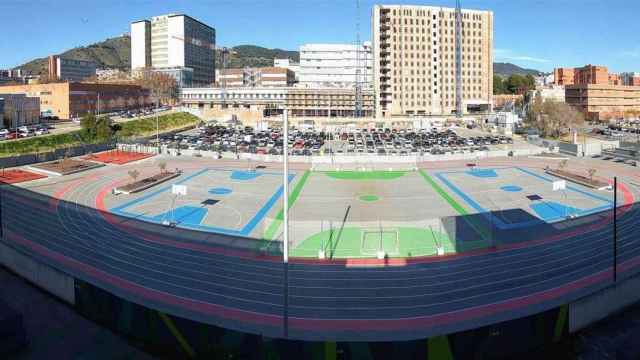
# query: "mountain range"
115,53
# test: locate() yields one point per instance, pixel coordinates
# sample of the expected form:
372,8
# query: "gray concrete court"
502,189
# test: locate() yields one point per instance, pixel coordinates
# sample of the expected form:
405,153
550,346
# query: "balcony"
384,36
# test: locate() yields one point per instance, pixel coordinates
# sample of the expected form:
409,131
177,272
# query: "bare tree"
134,174
563,164
163,166
552,118
162,87
591,173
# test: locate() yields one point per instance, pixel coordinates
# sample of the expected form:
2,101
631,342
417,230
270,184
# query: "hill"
507,69
115,53
112,53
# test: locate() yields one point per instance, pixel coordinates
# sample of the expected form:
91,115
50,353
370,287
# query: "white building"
172,42
288,64
335,65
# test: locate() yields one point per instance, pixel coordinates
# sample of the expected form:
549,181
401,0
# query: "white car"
4,132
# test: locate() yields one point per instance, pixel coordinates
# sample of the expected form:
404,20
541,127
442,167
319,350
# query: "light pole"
285,253
158,123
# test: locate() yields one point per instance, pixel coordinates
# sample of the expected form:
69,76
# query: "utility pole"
285,184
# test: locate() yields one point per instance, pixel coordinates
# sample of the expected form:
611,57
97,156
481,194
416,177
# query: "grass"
134,128
365,175
275,225
350,243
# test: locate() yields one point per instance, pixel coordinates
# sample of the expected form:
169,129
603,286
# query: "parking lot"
352,142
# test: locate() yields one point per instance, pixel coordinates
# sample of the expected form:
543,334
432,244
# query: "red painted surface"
118,157
15,176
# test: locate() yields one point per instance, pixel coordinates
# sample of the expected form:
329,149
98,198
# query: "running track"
166,269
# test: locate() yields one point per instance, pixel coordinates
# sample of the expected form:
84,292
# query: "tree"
552,118
498,85
563,164
162,87
88,126
134,174
591,173
163,166
103,130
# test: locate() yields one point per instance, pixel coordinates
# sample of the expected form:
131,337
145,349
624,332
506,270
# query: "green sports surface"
355,242
365,175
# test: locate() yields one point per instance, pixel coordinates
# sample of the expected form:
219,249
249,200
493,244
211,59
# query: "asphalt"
232,287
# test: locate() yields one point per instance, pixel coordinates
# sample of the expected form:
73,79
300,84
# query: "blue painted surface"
244,231
244,175
220,191
511,188
501,224
550,210
483,173
183,215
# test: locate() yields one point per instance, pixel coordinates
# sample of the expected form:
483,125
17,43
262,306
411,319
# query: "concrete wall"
598,306
44,276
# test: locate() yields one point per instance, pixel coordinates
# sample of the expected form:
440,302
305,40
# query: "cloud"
508,55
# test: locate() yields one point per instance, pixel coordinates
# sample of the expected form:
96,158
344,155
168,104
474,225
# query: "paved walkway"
55,330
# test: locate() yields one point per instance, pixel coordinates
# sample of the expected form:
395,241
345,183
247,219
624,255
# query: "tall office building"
414,60
335,65
69,69
176,42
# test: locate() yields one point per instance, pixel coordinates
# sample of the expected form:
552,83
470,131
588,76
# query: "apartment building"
253,77
68,100
69,69
175,41
414,51
601,102
335,65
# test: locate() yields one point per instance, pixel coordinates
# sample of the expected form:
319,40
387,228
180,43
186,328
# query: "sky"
539,34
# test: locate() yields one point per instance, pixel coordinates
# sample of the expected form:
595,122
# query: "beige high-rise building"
415,60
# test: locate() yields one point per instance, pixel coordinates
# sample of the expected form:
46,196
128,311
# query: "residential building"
68,100
69,69
175,41
588,74
252,77
552,92
414,51
19,110
603,101
335,65
630,78
253,104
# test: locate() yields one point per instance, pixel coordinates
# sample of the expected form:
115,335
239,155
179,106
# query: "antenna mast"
458,59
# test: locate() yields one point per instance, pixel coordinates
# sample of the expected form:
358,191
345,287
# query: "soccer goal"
376,241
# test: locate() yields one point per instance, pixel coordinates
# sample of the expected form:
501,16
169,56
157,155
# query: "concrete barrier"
44,276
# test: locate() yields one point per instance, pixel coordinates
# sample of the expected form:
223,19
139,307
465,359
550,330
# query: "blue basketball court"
498,191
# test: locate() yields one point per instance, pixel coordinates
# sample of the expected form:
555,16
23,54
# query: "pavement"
223,280
55,330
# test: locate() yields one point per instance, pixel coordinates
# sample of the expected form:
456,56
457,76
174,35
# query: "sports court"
357,213
233,202
501,190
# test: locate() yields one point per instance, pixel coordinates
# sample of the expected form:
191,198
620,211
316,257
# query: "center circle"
369,198
220,191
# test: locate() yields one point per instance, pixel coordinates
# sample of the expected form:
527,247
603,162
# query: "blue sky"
541,34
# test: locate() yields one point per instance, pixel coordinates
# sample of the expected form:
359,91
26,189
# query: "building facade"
253,77
70,70
253,104
335,65
630,78
415,60
68,100
19,110
175,41
601,102
588,74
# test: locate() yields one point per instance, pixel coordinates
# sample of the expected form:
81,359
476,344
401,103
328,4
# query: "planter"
579,179
145,183
64,167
